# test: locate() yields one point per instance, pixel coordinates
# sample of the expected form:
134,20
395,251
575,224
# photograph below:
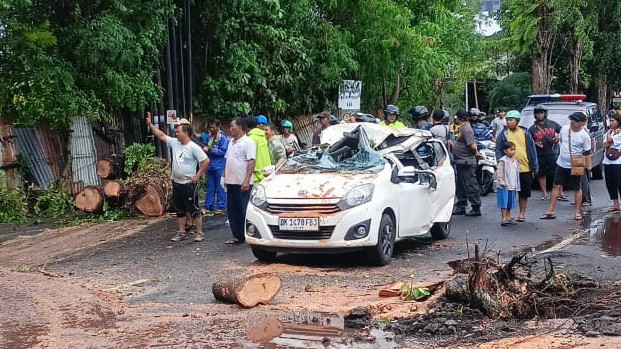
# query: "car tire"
263,255
440,230
381,253
596,172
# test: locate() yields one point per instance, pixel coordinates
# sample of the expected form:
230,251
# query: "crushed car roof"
376,134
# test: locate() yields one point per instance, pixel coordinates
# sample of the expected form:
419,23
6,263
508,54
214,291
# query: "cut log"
247,291
89,200
151,203
114,189
110,168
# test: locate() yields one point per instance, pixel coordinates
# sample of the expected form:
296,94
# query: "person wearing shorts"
525,154
187,156
545,134
574,140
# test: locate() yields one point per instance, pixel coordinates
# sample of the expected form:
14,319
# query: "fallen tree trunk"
114,189
152,202
90,199
110,168
247,291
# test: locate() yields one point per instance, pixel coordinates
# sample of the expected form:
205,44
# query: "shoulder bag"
612,153
579,163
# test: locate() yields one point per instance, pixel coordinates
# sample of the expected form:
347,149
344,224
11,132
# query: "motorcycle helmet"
287,123
419,112
540,107
362,117
474,112
392,109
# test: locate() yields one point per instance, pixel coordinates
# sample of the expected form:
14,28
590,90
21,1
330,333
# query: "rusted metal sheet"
54,146
8,147
31,151
103,148
304,127
83,153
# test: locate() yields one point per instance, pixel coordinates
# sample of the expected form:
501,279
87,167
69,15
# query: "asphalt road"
183,272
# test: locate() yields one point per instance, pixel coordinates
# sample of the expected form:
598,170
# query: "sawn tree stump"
89,199
247,291
114,189
110,168
152,202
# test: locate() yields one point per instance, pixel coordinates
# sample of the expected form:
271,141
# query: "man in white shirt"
499,123
186,158
574,140
240,158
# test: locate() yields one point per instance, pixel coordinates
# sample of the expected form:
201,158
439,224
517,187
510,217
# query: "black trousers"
612,173
467,188
236,204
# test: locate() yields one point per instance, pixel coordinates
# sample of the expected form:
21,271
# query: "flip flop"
614,209
548,216
578,217
520,219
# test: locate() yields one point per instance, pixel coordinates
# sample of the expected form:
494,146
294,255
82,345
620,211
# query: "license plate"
290,223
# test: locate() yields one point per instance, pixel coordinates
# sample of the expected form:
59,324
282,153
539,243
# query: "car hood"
313,186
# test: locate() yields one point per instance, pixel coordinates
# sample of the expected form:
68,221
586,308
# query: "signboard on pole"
171,116
349,95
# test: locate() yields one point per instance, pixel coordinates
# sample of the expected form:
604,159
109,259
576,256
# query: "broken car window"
351,154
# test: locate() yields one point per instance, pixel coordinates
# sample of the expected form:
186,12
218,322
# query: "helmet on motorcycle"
540,108
419,112
287,123
392,109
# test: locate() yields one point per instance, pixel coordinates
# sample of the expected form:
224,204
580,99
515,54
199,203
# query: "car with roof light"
366,187
559,106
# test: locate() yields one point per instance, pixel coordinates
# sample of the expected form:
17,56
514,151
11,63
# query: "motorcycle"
486,167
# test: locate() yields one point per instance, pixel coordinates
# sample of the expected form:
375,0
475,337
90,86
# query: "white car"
365,188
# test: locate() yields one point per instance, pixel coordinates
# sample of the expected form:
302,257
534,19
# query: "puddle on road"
607,232
315,330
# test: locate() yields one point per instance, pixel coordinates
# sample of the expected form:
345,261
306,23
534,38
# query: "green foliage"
59,59
137,157
416,293
13,202
24,269
54,202
511,92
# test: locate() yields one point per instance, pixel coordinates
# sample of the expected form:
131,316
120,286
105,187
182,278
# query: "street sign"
349,95
171,116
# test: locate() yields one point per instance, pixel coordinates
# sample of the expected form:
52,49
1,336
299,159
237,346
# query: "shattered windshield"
350,154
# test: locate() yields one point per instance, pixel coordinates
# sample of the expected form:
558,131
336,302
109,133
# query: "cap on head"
183,121
513,114
261,119
578,116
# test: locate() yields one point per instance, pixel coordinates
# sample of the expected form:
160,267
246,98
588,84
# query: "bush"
137,156
13,202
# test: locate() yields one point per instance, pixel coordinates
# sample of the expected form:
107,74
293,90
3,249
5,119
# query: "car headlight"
258,197
357,196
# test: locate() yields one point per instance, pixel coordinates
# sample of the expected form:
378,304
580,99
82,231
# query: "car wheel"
440,230
487,183
380,254
596,172
263,255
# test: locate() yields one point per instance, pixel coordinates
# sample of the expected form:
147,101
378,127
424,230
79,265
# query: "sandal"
614,209
199,237
190,229
578,217
181,235
219,212
520,219
548,216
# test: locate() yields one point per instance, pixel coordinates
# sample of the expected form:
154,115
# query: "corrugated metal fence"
304,127
31,150
83,152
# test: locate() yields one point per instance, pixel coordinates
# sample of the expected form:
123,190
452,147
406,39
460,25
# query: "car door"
413,198
597,130
444,193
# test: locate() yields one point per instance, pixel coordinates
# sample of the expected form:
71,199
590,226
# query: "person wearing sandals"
612,160
238,177
187,156
545,134
508,174
215,146
573,140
